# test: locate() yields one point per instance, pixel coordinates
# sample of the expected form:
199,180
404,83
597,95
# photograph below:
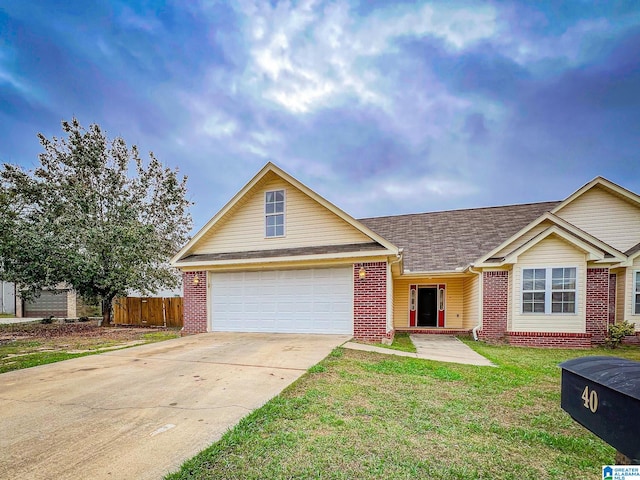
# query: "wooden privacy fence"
161,312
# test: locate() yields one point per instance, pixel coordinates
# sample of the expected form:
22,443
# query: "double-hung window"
636,293
274,213
549,290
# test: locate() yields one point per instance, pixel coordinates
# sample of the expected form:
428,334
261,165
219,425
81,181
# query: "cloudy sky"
381,107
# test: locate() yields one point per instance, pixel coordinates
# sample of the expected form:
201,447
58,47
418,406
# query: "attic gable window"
274,213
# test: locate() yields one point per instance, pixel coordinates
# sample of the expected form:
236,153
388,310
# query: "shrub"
617,332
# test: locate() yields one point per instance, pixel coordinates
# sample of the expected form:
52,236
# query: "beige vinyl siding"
454,306
621,296
401,302
454,301
550,252
630,294
606,216
523,239
471,292
307,223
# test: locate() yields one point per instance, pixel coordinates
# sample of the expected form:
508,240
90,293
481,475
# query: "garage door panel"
48,303
287,301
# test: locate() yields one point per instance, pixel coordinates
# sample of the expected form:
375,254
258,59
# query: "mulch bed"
76,329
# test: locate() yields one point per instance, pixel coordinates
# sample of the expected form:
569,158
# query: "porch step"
434,331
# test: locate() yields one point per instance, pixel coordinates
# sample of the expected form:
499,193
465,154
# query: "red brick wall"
195,302
495,302
550,339
612,298
597,303
370,302
632,339
437,331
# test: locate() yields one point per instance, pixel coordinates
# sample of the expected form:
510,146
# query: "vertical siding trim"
389,299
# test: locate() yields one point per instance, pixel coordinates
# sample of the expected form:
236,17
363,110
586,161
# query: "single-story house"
280,258
61,302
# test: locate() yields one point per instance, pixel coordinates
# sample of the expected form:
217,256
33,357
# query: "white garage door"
287,301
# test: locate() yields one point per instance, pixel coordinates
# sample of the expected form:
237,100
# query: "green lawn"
401,341
368,415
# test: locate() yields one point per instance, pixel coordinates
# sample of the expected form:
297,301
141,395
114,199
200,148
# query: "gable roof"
594,253
576,234
272,168
444,241
601,182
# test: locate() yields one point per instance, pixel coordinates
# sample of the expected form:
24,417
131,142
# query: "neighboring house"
7,298
61,302
280,258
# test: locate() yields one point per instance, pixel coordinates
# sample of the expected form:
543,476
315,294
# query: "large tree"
93,215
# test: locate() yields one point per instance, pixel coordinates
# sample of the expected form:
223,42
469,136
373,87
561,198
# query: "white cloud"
570,48
308,55
147,22
219,125
427,187
8,77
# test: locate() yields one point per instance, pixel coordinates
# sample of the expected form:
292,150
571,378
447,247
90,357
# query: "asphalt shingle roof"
446,240
284,252
633,249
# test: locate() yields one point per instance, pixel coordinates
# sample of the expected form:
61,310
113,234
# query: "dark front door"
427,307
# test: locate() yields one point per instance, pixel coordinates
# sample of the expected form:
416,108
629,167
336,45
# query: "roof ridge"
461,210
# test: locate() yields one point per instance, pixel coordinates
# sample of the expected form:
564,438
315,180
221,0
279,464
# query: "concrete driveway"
140,412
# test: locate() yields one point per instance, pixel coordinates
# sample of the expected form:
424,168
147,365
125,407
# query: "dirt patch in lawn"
24,345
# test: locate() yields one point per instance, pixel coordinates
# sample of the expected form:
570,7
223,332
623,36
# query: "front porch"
445,304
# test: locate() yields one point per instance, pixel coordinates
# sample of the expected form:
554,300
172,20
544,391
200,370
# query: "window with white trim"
549,290
274,213
533,290
636,293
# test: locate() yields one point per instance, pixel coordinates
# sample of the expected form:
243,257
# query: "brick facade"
437,331
195,302
632,339
550,339
612,298
597,303
370,302
495,305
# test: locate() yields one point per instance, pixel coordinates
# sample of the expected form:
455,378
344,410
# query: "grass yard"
24,345
401,341
372,416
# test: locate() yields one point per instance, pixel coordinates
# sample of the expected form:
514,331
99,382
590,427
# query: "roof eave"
285,259
435,273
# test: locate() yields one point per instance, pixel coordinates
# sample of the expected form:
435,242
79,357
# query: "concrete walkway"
442,348
7,321
140,412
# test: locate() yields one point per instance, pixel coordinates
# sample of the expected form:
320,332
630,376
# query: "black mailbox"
603,395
